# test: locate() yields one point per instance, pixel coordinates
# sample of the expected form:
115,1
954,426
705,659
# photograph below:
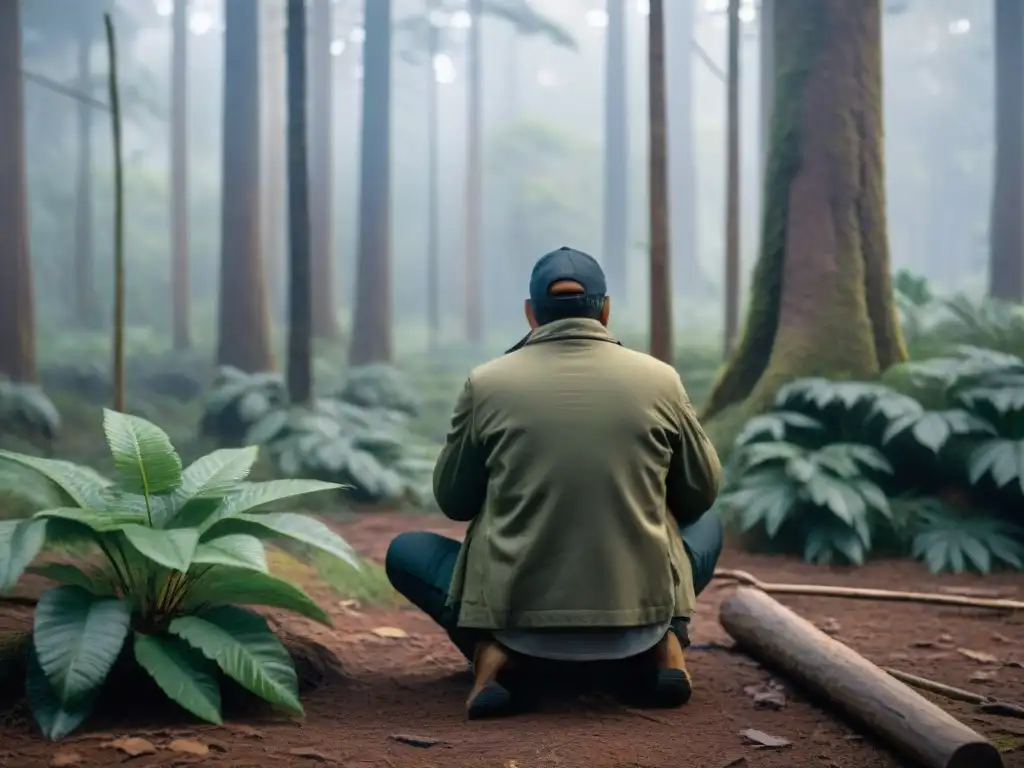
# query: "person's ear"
606,310
530,317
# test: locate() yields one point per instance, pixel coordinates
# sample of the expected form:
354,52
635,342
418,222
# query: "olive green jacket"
576,460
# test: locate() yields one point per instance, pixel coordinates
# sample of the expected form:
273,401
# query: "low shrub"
169,556
26,411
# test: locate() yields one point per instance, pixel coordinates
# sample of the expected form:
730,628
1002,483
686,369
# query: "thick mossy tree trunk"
821,300
244,325
17,312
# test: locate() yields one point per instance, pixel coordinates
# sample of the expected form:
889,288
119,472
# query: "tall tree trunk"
732,182
822,301
433,200
474,176
179,178
686,269
616,151
1006,233
275,218
17,310
661,272
85,263
300,272
767,90
244,326
371,329
321,188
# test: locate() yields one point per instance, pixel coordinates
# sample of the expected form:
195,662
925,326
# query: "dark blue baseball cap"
567,264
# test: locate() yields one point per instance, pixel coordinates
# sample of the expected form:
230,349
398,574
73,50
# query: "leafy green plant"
985,323
25,410
238,400
379,386
176,553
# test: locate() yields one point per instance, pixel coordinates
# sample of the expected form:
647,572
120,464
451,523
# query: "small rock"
982,657
770,696
391,632
946,639
309,754
830,626
762,739
414,741
132,746
189,747
65,760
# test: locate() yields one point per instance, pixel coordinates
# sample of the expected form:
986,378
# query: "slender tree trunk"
244,325
275,218
767,94
433,200
616,151
661,273
686,269
321,189
17,310
732,182
371,329
474,177
85,263
300,273
179,178
822,301
1006,233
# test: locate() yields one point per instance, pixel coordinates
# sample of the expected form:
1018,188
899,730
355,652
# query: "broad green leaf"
186,677
54,719
20,542
100,520
756,455
217,473
172,548
1002,460
77,637
290,525
239,550
99,584
223,585
933,429
776,426
73,485
252,496
873,496
143,454
246,650
836,496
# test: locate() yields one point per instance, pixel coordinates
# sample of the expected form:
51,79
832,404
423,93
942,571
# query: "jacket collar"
565,330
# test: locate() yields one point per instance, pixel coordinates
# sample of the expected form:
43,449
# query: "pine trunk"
732,182
371,327
17,311
1006,266
244,326
616,152
474,178
321,170
661,273
85,263
822,300
179,178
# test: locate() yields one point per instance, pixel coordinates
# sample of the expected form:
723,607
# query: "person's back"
586,476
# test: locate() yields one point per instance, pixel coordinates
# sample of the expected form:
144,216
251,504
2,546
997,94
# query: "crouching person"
586,479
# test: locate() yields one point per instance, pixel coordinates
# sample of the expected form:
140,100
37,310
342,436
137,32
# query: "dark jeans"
420,566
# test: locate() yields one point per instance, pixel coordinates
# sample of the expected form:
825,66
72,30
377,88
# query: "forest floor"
401,678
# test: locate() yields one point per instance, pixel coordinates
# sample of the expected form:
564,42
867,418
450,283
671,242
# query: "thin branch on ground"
856,593
986,704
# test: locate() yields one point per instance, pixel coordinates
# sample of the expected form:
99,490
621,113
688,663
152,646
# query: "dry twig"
986,704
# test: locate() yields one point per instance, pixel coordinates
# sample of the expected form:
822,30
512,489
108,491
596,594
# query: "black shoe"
493,700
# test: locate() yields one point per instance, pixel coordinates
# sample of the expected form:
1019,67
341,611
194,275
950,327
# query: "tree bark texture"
275,156
371,328
86,311
321,170
179,178
732,181
661,272
244,325
474,178
1006,233
821,297
300,273
616,152
17,310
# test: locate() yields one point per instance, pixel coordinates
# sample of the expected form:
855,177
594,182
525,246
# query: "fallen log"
860,593
890,710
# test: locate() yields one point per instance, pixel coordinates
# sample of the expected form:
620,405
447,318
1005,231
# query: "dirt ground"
402,679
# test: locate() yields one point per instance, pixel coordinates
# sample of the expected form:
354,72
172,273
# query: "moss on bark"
821,299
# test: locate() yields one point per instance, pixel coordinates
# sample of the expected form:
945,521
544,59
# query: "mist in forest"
543,133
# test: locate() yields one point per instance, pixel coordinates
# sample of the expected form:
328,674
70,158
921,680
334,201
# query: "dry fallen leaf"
763,739
65,760
830,626
189,747
769,696
414,741
946,638
132,746
999,637
309,754
982,677
982,657
393,632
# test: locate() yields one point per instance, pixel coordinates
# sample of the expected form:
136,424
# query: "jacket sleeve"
695,471
460,474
